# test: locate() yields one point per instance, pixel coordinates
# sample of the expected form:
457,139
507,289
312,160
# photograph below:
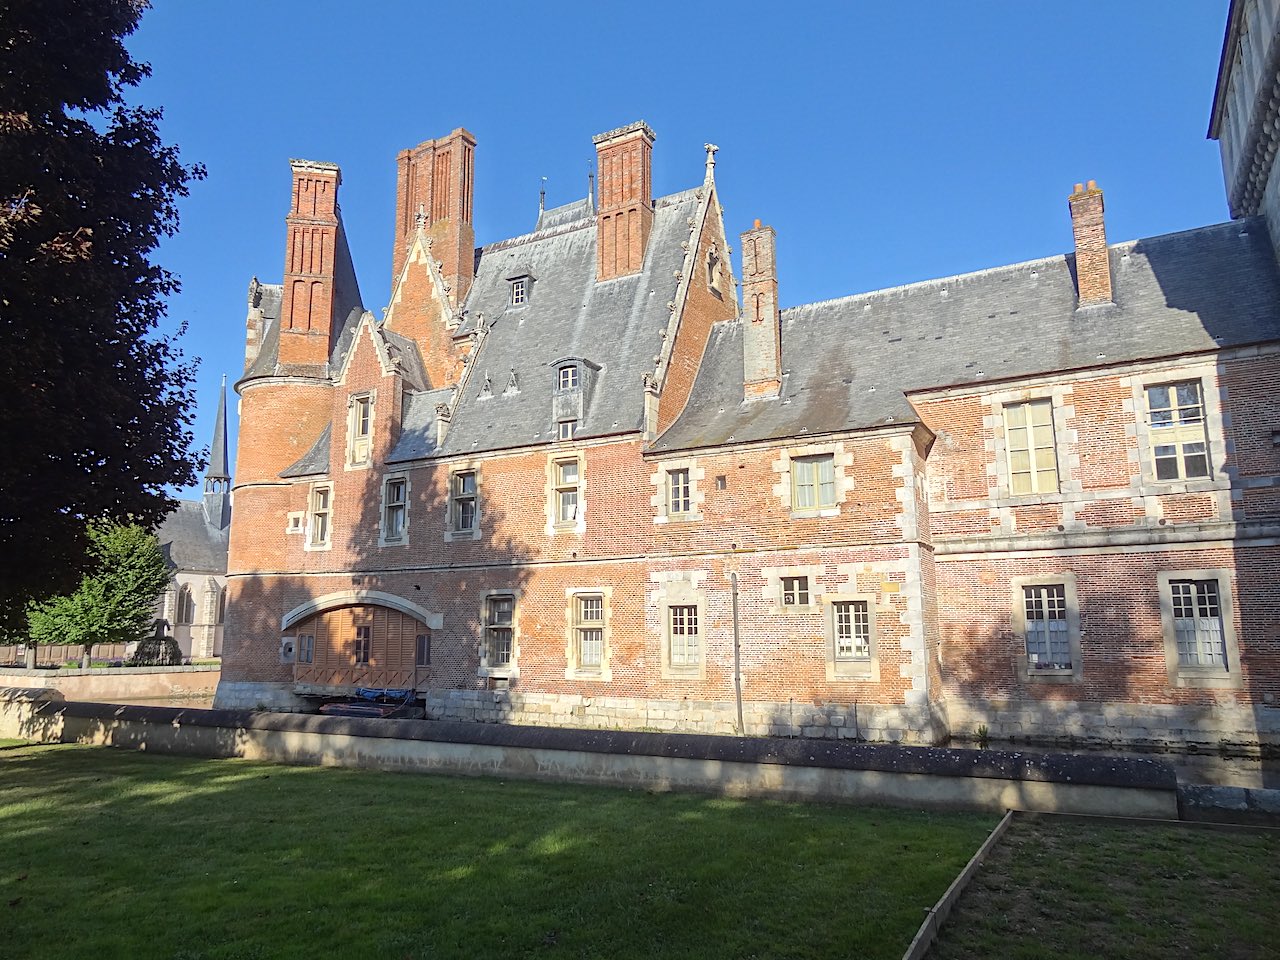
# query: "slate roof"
315,460
190,542
418,425
569,213
848,363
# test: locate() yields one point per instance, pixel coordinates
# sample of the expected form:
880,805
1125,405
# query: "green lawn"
1076,891
108,853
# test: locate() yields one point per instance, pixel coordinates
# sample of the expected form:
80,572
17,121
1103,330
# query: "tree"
115,602
96,414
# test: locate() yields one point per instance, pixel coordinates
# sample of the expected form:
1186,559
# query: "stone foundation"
255,695
1247,731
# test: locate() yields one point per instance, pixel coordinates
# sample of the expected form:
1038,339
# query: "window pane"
464,483
591,609
568,505
568,471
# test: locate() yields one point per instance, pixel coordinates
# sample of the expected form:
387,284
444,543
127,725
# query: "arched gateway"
358,638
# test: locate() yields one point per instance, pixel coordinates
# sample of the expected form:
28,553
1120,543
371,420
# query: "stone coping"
1062,768
49,674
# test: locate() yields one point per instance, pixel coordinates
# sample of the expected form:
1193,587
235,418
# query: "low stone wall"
735,766
125,683
1246,731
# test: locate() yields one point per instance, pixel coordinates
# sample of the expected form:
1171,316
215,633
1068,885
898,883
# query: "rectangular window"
1197,623
1179,449
589,629
565,429
567,490
360,430
364,641
852,629
393,508
422,650
683,624
568,377
463,501
1033,462
1047,636
499,621
321,509
519,292
795,591
678,497
813,482
306,648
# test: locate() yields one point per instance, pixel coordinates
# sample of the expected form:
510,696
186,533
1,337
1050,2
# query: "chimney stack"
306,316
625,213
762,329
435,186
1093,263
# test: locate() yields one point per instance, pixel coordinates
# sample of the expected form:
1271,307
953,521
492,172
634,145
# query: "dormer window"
360,430
519,291
568,377
565,429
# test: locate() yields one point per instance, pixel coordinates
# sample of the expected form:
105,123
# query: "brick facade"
862,582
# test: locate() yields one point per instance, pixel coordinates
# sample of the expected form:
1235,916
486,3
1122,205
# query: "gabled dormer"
573,383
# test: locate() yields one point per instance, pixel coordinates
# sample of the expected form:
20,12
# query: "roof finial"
420,218
711,149
542,196
591,184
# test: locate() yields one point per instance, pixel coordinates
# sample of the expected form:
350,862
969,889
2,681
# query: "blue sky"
886,142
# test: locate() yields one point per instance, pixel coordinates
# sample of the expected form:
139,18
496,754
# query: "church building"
591,476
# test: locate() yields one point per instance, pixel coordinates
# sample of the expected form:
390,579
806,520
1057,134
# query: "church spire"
217,479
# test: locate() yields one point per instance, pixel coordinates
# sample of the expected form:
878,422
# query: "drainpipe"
737,654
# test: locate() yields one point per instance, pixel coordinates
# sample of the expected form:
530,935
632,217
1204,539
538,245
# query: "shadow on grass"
257,860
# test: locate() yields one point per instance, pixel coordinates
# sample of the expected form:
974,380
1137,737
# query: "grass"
1076,891
116,854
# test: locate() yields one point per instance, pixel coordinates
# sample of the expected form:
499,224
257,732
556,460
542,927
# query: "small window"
852,630
565,429
1197,623
683,635
393,508
519,291
813,482
1047,636
297,522
320,512
795,591
499,620
568,377
1179,449
222,606
679,500
589,631
567,490
306,648
186,612
360,431
1033,462
363,644
422,650
462,508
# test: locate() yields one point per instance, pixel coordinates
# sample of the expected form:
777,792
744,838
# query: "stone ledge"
842,755
39,674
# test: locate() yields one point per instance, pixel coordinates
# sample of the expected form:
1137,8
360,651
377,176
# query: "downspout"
737,653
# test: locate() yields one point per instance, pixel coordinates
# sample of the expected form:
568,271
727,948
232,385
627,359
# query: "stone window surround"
572,670
554,525
1019,626
1060,397
1203,677
512,670
1214,424
843,470
681,588
403,539
450,534
295,521
308,543
349,461
661,495
864,670
772,591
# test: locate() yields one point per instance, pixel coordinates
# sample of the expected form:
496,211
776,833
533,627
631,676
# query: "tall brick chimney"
762,329
1093,264
311,237
435,187
625,214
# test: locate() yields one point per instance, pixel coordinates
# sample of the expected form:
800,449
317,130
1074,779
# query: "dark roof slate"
315,460
848,363
190,542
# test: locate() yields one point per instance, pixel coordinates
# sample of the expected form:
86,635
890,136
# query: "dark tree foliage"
95,415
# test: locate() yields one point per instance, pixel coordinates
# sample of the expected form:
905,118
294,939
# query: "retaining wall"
735,766
125,683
